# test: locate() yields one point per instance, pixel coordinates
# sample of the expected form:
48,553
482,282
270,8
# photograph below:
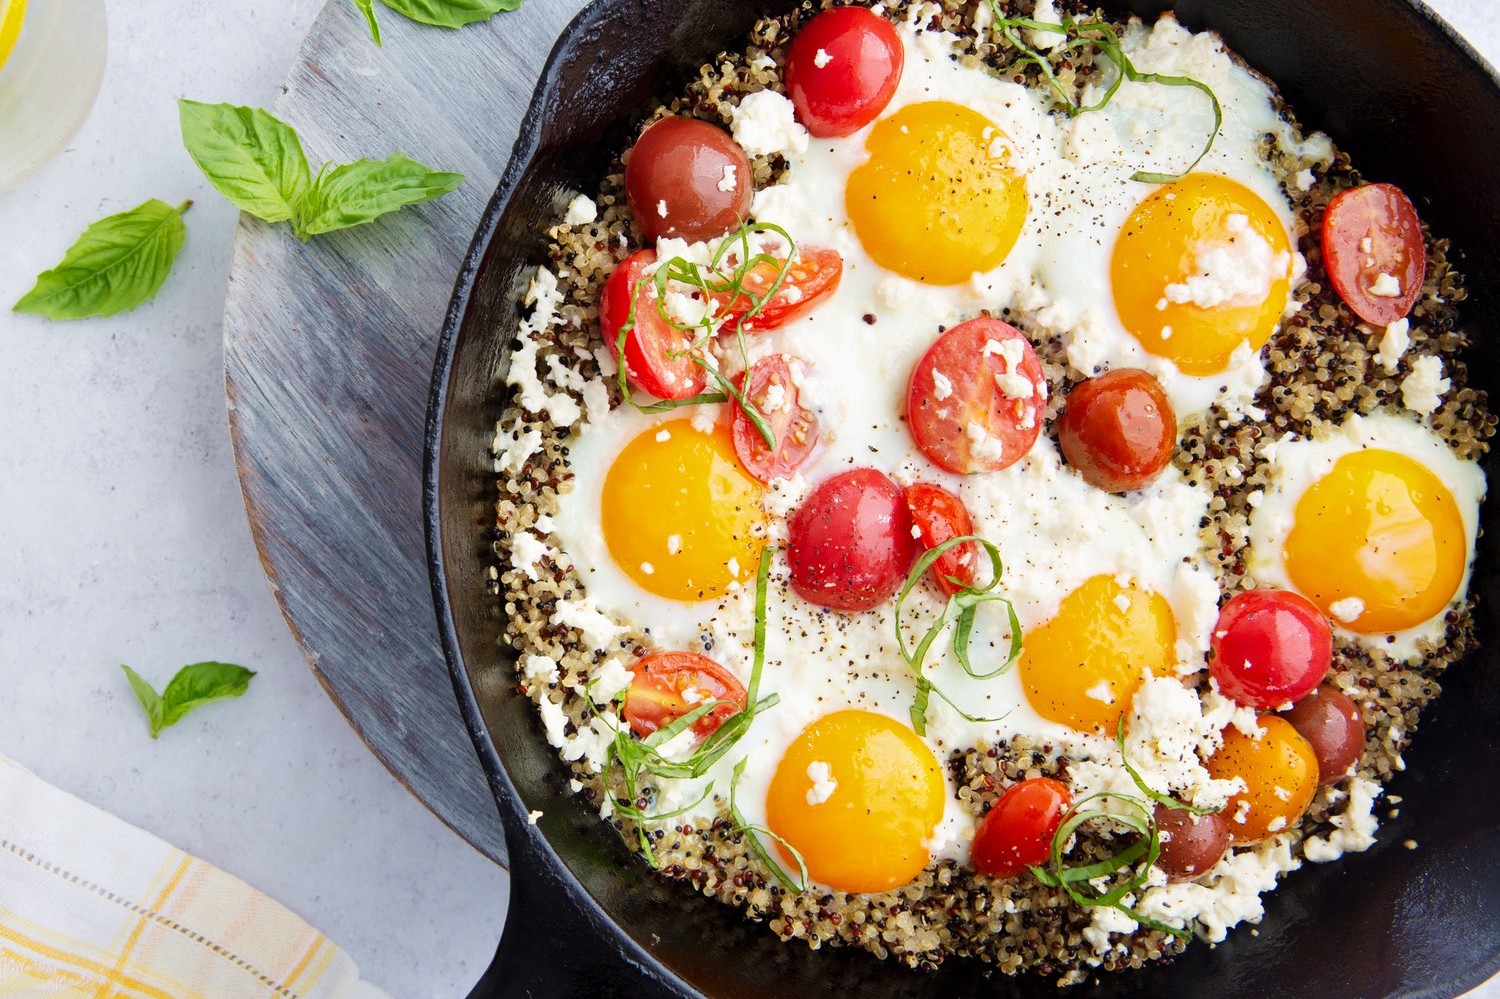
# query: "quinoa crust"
1320,368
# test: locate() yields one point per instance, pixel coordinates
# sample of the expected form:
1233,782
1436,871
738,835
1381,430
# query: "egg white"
1298,463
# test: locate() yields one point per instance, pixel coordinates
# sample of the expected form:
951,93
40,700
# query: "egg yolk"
680,516
1201,266
1382,529
1083,667
1280,771
858,795
939,197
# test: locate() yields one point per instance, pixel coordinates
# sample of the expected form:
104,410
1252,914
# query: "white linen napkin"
93,906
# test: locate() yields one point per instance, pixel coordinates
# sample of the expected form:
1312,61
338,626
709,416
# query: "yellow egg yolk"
858,796
1380,528
939,197
1083,667
1201,266
680,516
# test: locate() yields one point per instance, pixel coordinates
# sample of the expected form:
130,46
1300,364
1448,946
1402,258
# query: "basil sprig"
118,263
256,161
192,687
440,13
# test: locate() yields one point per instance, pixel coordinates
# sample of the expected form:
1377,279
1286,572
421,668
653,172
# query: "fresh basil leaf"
363,191
118,263
192,687
149,699
367,8
252,157
450,13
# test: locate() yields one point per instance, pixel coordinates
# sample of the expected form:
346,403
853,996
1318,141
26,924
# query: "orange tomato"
1280,771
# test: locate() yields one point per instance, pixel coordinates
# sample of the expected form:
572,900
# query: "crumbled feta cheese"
608,680
783,495
648,568
581,211
1101,692
727,182
765,124
733,565
1354,829
985,447
1393,344
526,551
822,58
1304,180
597,630
1347,609
1237,271
1045,12
1014,386
539,669
1422,390
1386,286
775,398
533,816
543,296
674,544
661,208
1366,245
513,455
942,385
894,292
1106,920
823,784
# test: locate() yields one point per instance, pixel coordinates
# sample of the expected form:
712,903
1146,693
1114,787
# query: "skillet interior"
1411,104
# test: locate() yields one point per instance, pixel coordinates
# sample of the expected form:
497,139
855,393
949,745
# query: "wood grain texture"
328,352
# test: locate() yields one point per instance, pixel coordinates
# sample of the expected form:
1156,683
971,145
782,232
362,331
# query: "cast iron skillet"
1412,104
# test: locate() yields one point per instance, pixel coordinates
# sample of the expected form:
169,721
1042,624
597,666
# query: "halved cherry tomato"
667,685
842,69
656,355
941,516
1118,430
1270,648
970,407
850,543
1017,831
688,179
1368,232
770,389
812,277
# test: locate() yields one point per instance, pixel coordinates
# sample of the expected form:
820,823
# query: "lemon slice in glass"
12,13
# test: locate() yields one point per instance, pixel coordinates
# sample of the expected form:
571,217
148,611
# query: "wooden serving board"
328,352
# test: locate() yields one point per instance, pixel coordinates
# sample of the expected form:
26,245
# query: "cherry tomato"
850,543
656,357
1118,430
667,685
1270,647
1371,231
842,69
1331,724
812,277
770,389
687,179
1016,833
1280,774
942,516
1190,844
977,397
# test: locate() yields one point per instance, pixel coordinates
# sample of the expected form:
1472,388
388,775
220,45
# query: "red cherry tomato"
1383,215
1190,844
769,388
1118,430
687,179
656,357
842,69
1016,833
1270,647
667,685
812,277
969,408
1332,726
850,543
941,516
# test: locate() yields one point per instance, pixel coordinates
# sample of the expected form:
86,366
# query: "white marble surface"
123,539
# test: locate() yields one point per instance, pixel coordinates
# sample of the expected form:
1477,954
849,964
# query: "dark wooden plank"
328,354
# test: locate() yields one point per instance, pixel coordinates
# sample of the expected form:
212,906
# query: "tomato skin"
861,65
1331,724
649,366
811,278
679,163
1270,647
1118,430
1190,844
940,415
655,697
941,517
1383,214
1016,833
794,426
850,543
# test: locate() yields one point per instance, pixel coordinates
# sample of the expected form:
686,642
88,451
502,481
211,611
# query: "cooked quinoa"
1320,367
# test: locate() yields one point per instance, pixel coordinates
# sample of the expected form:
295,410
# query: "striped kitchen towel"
92,906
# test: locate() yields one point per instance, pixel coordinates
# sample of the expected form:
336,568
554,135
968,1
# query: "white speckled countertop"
124,539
